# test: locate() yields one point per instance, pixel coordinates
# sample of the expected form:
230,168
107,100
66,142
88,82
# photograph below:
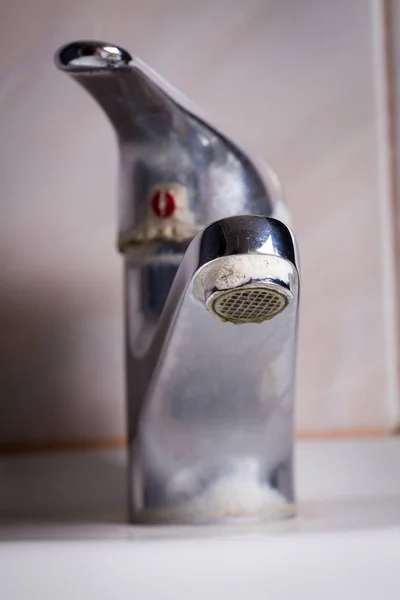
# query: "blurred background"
310,87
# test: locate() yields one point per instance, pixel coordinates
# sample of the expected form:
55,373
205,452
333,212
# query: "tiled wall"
301,82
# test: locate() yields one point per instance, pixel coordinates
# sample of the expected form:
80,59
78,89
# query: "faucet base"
237,495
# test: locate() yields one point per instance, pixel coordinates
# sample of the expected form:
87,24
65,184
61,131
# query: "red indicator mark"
163,204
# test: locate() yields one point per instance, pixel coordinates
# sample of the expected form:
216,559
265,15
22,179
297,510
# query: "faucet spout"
214,407
211,301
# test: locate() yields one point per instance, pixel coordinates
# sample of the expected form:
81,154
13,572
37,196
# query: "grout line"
338,434
63,446
120,443
385,103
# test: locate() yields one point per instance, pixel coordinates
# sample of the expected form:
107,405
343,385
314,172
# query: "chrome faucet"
211,304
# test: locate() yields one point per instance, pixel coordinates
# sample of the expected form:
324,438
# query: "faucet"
211,294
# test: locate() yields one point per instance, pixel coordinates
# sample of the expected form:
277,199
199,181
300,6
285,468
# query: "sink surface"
63,533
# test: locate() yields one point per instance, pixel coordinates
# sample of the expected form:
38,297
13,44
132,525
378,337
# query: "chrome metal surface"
210,403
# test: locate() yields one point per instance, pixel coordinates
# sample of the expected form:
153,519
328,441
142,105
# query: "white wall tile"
293,80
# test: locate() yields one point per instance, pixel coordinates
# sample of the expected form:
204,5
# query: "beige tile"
296,82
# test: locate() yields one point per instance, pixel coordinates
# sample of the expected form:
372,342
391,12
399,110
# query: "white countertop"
64,535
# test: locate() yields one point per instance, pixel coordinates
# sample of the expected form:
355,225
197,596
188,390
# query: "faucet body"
211,302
